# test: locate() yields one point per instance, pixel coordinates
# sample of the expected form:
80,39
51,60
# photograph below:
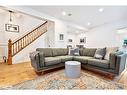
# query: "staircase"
18,45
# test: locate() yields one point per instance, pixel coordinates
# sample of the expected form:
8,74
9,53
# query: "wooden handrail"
18,45
32,30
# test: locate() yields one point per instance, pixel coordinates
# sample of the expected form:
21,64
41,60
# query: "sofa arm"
120,63
42,59
35,60
112,60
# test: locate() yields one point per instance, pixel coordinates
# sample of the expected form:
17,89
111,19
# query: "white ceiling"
83,14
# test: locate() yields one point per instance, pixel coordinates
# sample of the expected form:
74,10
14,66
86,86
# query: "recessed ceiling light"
88,23
101,9
63,13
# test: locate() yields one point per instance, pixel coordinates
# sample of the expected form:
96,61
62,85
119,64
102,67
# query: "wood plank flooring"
13,74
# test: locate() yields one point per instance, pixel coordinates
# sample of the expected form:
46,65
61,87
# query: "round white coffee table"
72,69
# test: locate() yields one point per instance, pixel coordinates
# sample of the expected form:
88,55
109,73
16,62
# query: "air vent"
69,14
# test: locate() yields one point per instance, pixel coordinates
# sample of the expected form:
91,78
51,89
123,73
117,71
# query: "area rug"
58,80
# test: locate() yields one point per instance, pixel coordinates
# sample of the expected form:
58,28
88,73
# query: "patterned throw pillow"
74,52
100,53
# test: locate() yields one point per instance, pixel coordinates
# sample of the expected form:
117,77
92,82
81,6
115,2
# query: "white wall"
75,38
60,28
2,34
51,34
106,35
26,23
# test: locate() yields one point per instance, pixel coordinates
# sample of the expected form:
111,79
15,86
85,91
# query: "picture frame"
11,28
83,40
69,46
70,40
61,37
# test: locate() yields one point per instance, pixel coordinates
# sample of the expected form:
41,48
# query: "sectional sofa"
48,58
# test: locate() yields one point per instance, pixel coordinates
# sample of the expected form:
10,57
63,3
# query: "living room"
63,47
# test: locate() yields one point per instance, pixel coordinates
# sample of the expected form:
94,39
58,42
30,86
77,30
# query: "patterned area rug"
58,80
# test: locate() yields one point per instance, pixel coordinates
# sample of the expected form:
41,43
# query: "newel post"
9,52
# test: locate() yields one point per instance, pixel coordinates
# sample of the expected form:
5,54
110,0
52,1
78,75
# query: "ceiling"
82,15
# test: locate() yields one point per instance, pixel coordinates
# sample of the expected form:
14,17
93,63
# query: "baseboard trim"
21,62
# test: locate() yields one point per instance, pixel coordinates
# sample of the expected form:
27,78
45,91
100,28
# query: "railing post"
9,52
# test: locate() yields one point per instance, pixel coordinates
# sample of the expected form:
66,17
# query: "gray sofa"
48,58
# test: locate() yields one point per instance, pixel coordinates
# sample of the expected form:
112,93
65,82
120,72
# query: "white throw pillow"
71,52
110,50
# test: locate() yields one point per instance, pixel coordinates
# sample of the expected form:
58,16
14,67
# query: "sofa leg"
38,73
111,77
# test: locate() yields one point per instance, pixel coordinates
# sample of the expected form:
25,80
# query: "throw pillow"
100,53
71,52
110,50
76,52
118,53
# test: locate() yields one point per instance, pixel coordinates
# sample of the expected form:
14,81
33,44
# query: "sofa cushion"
87,52
84,52
99,63
65,58
91,52
60,51
52,61
82,59
41,59
81,51
46,51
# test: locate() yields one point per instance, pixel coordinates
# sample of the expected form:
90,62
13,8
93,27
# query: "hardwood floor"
13,74
123,78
